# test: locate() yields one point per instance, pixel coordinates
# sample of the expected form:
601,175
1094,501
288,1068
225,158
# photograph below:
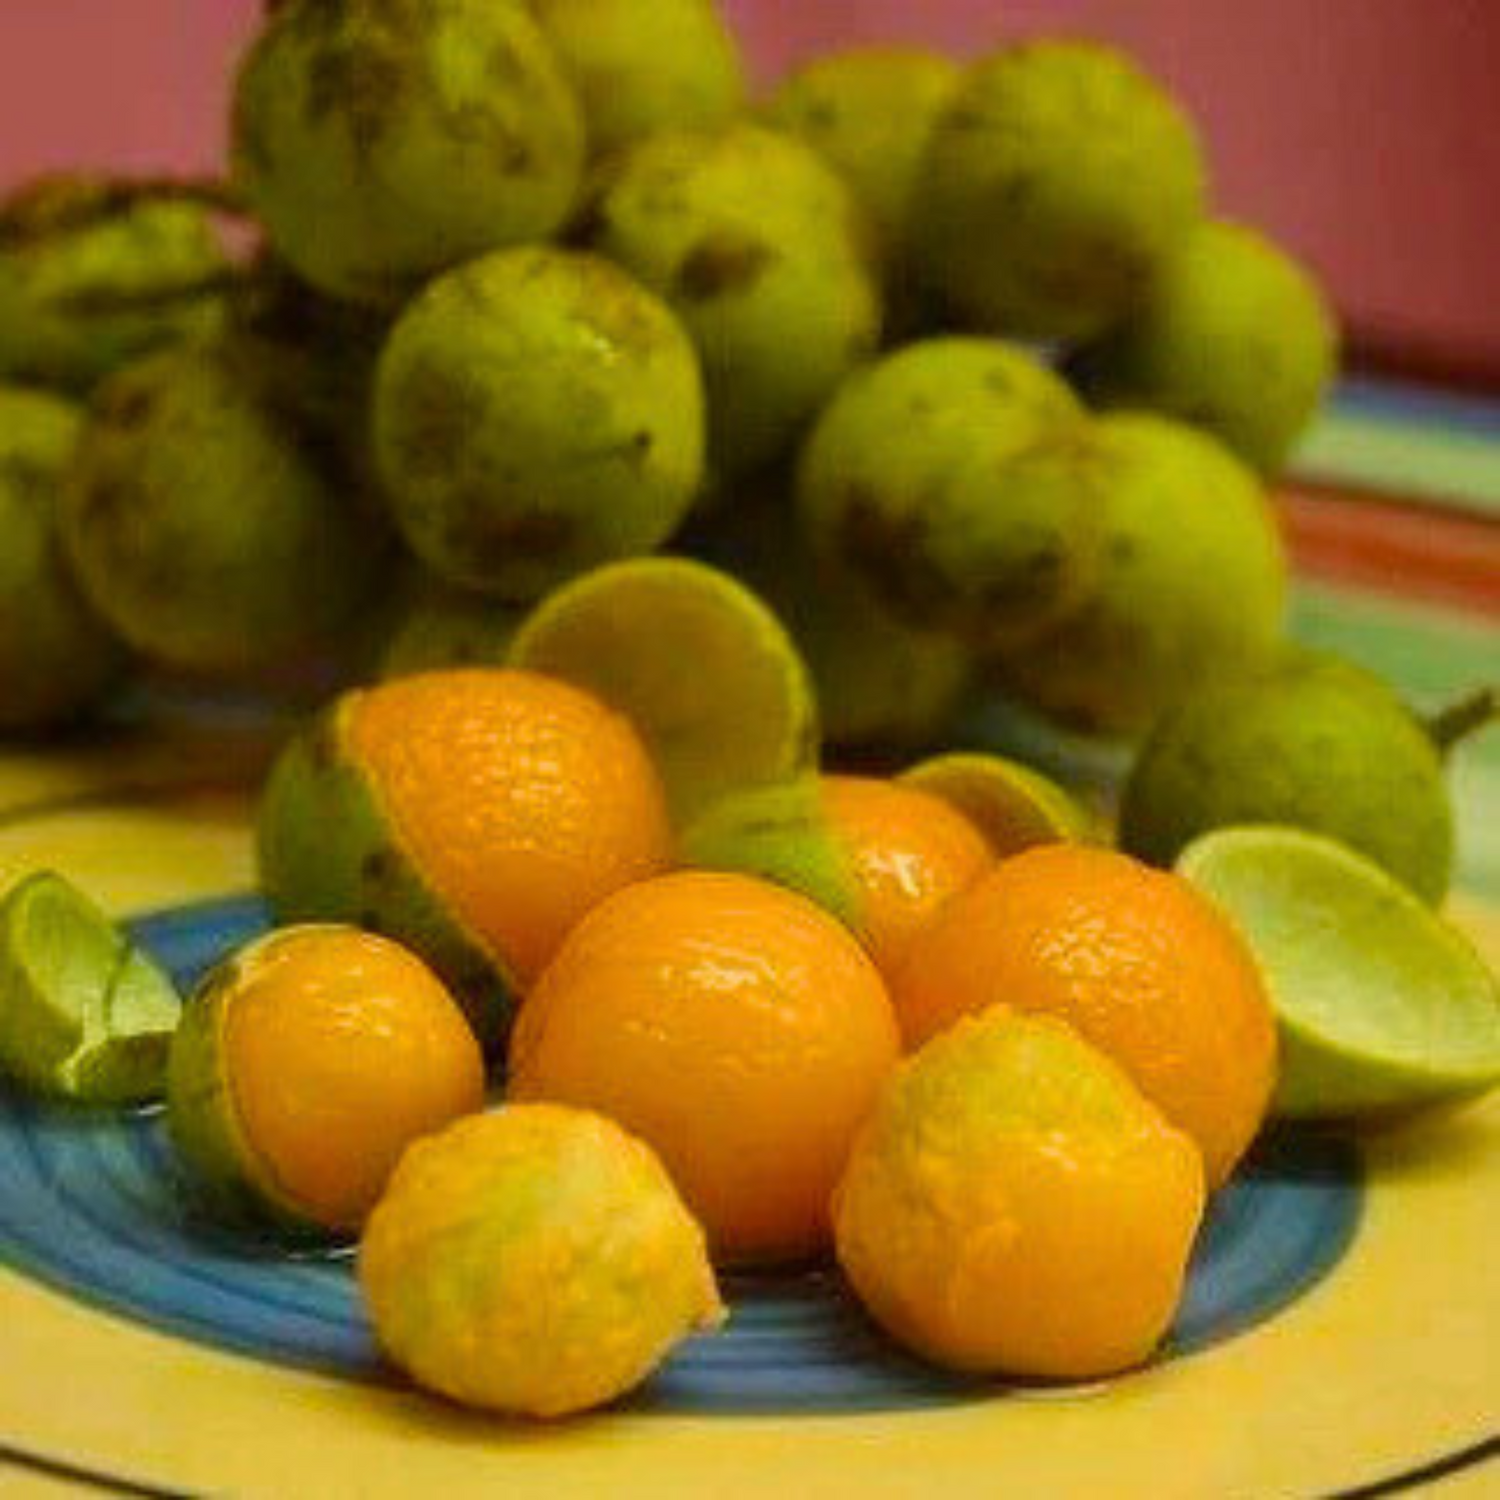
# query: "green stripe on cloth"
1393,454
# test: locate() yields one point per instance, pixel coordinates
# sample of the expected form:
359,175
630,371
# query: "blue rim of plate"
92,1205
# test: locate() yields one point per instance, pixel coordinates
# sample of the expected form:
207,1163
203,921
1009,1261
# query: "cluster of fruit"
697,959
538,289
539,297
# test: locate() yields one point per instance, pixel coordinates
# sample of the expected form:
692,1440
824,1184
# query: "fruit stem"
1459,720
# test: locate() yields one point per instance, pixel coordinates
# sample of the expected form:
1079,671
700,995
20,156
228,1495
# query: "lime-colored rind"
84,1016
203,1123
697,661
326,854
1013,806
780,834
1382,1005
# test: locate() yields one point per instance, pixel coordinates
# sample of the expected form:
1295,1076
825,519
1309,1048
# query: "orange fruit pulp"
736,1028
910,854
340,1049
1141,964
523,801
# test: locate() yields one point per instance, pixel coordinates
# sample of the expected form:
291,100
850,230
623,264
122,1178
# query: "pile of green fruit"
535,285
950,362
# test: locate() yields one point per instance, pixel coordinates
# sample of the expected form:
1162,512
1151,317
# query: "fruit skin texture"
643,66
474,815
1192,583
879,681
733,1026
1142,965
761,251
382,141
537,412
305,1065
1014,1205
957,479
207,536
870,113
70,263
1057,184
1309,741
1234,335
910,853
56,657
533,1260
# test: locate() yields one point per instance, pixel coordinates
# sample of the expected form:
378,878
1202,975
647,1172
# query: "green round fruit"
870,114
880,682
1057,184
442,627
537,412
958,480
91,279
381,141
760,249
1234,336
56,657
1310,742
203,531
1192,583
643,66
1382,1006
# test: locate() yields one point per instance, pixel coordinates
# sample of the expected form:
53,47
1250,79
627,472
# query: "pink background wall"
1366,132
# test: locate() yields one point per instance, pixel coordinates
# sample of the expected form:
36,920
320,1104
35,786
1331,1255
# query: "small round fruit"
910,854
92,278
305,1065
734,1027
474,815
1309,741
643,66
1015,1206
537,412
438,627
56,657
1192,584
381,143
1143,966
759,248
744,715
1234,335
870,113
202,529
1383,1007
1058,182
957,478
534,1261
